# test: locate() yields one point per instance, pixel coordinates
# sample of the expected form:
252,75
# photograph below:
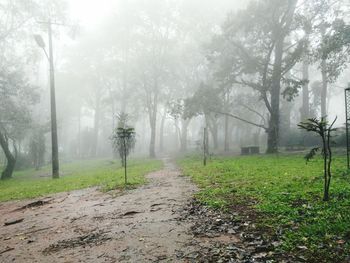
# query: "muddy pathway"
141,225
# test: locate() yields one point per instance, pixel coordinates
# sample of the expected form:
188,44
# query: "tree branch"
243,120
254,111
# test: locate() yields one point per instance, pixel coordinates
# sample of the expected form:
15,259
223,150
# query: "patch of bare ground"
139,225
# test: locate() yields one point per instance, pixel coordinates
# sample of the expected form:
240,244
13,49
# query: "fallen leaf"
302,247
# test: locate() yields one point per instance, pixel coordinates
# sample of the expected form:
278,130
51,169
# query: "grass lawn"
75,175
288,194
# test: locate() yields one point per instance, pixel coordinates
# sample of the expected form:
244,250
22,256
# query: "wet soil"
158,222
139,225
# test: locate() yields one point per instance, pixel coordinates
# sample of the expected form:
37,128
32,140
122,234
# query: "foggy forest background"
175,67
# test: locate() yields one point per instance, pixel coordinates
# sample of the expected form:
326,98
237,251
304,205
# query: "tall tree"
157,36
207,102
325,17
16,92
252,51
16,96
305,108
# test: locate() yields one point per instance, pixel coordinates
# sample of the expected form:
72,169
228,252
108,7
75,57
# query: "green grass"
76,175
289,195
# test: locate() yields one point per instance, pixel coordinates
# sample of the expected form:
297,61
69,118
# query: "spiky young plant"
324,130
124,140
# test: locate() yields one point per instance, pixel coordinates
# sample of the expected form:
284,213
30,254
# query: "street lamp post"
55,159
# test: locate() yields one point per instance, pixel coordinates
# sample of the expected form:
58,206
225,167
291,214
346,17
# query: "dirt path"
89,226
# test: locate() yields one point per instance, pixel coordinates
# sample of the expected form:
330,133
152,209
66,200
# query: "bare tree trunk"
177,133
152,145
329,164
237,136
153,125
184,131
286,112
305,110
227,138
161,132
325,174
231,135
96,128
11,160
125,163
227,106
324,89
79,134
152,107
125,78
124,97
273,131
212,124
214,134
205,146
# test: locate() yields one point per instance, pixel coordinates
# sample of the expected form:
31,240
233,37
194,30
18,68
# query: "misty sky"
90,13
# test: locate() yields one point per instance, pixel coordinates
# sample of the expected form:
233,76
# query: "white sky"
89,12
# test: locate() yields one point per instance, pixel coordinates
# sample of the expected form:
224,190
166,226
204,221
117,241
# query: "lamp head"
39,40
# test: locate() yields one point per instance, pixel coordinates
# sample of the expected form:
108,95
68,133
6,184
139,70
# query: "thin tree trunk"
177,134
305,110
324,79
152,145
125,78
19,146
11,160
153,111
125,164
237,135
184,132
161,132
329,175
96,129
205,146
213,128
325,175
79,134
286,111
227,138
214,133
227,106
324,89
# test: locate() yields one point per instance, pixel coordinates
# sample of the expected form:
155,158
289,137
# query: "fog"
249,72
